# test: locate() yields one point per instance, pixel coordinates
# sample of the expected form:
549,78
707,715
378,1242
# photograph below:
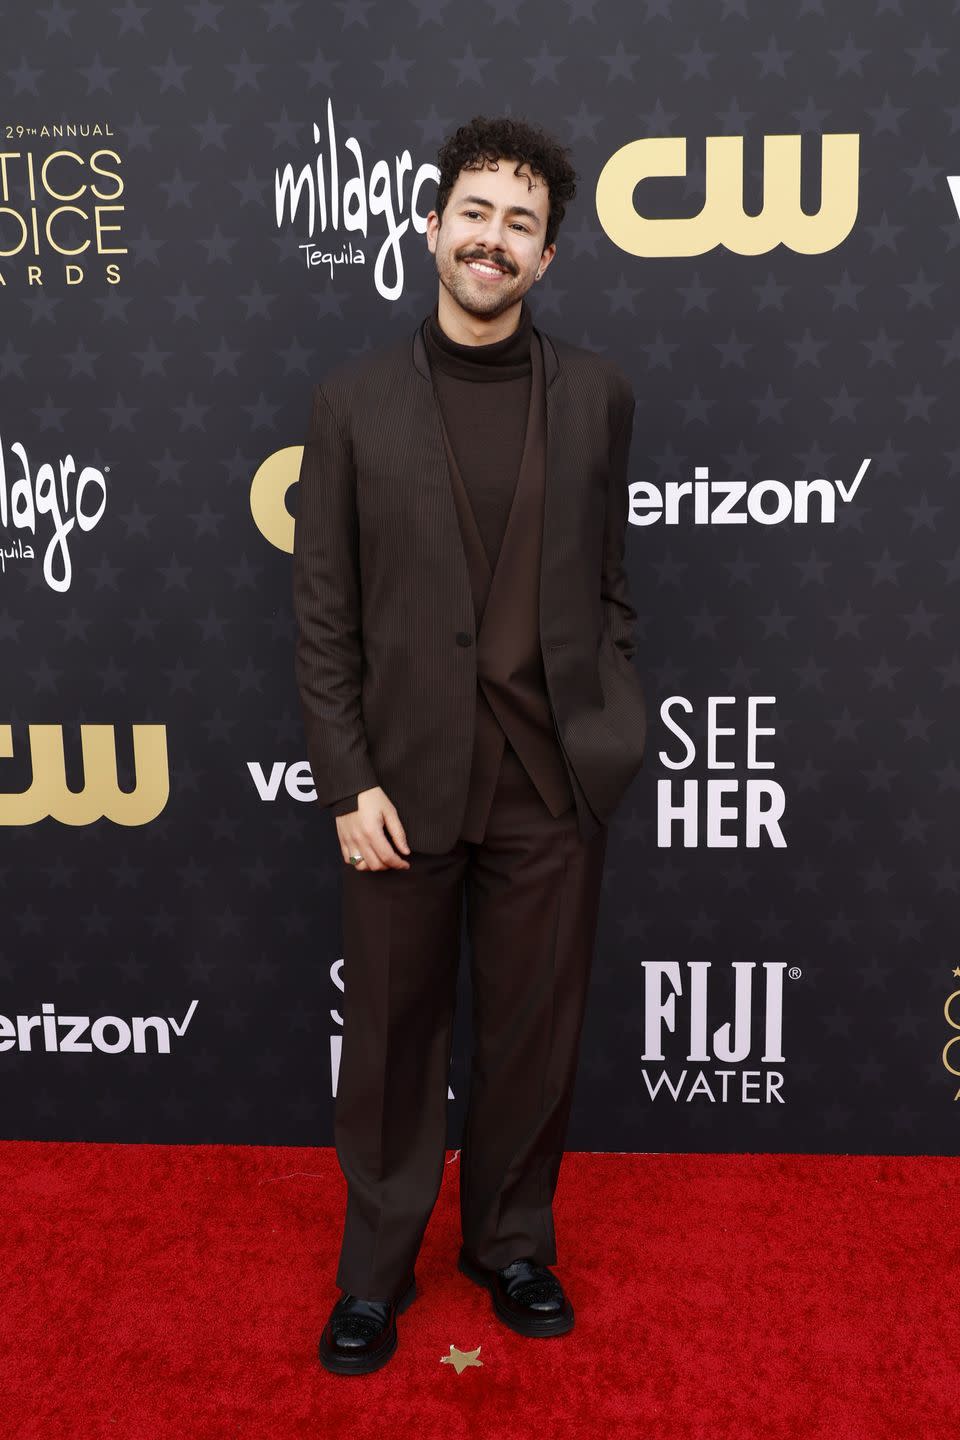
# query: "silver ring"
356,859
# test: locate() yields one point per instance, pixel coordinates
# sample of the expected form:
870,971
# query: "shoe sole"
339,1362
541,1328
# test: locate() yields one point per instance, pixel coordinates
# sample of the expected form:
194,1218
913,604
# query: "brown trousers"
532,896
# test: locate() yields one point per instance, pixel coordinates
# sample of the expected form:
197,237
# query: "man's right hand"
368,831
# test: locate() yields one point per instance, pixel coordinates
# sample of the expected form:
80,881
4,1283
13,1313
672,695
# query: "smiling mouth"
482,267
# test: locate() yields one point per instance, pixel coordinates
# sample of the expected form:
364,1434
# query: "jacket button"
463,638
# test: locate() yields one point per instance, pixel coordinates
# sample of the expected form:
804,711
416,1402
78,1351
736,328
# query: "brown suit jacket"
385,657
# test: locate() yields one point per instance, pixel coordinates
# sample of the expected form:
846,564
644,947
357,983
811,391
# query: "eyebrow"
511,209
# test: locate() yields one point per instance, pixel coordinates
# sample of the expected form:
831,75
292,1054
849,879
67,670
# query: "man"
473,717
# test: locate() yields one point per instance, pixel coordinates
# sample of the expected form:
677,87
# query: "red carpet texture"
179,1292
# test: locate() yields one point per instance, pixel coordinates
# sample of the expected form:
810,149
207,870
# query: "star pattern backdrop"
176,975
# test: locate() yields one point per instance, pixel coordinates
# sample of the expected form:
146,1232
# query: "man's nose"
491,235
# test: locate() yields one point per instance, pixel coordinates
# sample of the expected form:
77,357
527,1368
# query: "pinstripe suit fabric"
381,589
412,655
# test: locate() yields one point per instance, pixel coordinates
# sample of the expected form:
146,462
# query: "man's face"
490,244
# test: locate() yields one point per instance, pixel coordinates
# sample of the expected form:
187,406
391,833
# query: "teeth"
484,269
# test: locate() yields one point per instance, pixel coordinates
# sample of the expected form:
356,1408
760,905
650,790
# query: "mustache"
501,261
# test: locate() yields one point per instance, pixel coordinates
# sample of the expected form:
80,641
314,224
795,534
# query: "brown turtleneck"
484,393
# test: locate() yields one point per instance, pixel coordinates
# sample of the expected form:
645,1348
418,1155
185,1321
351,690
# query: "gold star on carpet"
957,972
461,1358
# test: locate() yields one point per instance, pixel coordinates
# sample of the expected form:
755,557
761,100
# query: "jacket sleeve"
326,599
346,806
619,616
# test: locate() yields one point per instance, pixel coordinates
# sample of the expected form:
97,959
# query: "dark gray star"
24,78
926,56
279,13
205,15
138,133
921,290
131,16
543,66
98,75
469,67
212,131
245,72
178,190
354,12
217,246
184,303
170,73
620,64
696,61
113,306
56,18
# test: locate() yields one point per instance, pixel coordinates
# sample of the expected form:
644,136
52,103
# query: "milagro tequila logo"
45,503
325,194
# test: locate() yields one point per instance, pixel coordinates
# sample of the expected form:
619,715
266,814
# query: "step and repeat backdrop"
202,208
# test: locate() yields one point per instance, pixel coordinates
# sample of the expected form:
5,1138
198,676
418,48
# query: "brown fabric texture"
387,647
532,892
512,702
484,394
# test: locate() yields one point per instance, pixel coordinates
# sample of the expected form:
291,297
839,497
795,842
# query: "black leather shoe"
526,1296
361,1335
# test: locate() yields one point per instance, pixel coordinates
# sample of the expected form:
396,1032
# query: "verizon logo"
79,1034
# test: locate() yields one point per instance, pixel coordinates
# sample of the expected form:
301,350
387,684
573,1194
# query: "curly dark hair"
485,140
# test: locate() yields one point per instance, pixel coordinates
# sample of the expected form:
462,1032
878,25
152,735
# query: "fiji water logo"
683,1007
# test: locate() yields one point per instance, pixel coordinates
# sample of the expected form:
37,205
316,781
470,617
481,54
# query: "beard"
477,296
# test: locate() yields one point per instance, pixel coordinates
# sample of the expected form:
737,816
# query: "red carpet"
179,1292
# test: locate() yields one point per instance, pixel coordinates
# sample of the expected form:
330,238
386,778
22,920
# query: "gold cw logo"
954,1022
723,220
101,796
268,495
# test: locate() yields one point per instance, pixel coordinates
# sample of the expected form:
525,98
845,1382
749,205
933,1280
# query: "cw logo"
101,796
268,494
723,221
955,1039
